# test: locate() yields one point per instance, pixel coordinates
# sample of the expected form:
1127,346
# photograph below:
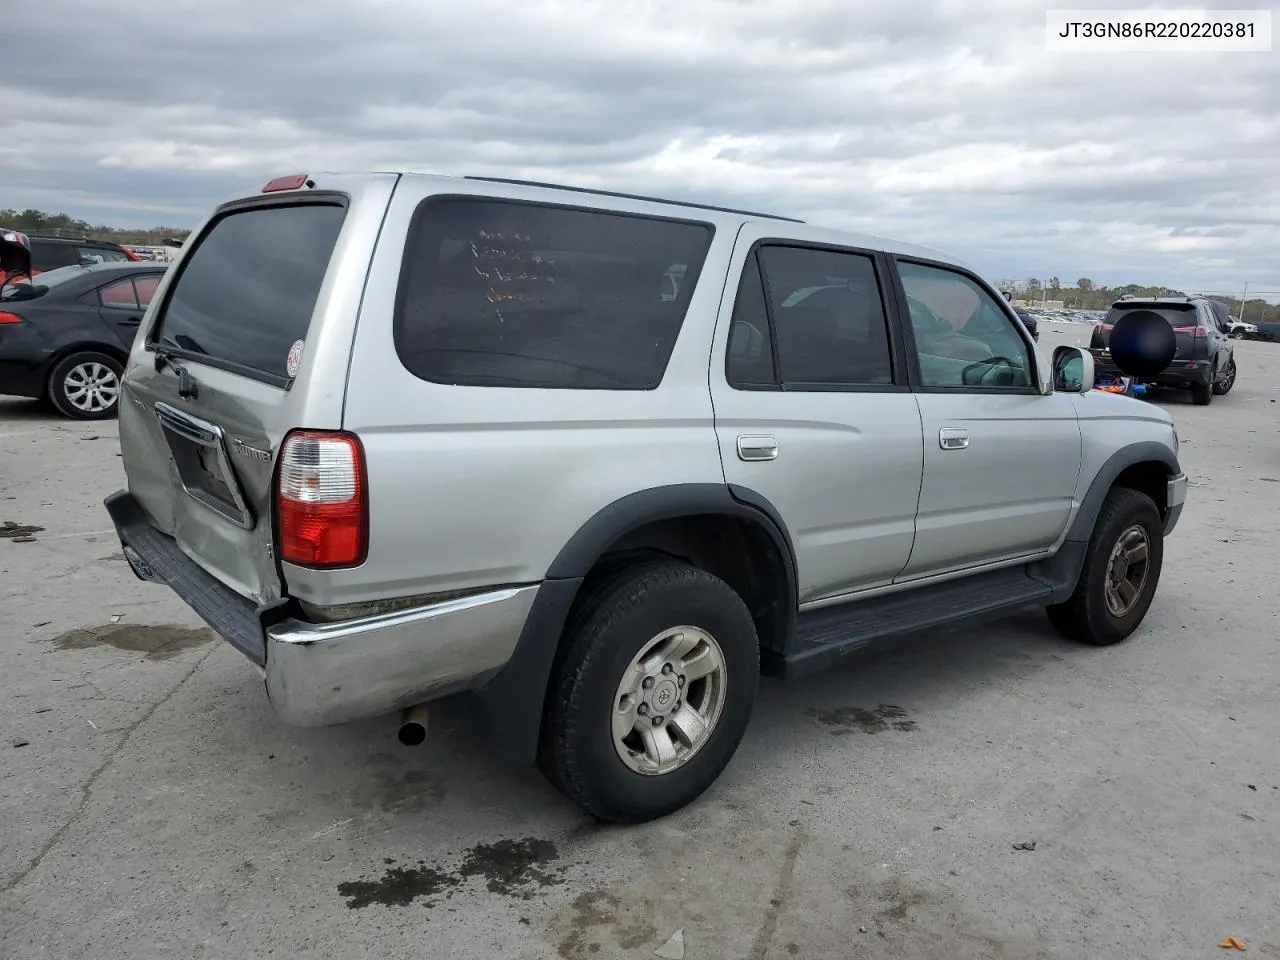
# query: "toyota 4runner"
598,461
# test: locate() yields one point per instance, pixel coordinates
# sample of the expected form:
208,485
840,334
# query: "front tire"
1120,573
86,386
651,694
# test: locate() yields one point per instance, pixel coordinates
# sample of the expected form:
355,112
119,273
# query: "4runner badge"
294,360
253,453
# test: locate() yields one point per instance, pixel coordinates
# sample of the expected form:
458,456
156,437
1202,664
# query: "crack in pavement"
86,789
781,894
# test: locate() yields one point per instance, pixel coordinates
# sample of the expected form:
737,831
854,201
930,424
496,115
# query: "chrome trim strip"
321,674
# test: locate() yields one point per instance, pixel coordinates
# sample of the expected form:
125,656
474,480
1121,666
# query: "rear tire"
86,385
617,736
1103,611
1222,386
1202,393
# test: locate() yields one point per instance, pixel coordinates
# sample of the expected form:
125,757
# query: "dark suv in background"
50,253
1205,360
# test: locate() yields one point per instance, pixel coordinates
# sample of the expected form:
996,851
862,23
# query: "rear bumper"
1178,375
322,674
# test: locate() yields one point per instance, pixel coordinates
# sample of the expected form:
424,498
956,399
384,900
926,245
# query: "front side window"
501,294
963,338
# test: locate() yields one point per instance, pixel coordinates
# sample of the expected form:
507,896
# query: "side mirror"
1072,370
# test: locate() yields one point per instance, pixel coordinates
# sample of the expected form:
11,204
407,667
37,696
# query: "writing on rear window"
502,294
248,288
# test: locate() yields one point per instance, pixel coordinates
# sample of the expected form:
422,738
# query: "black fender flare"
1144,451
511,702
1062,570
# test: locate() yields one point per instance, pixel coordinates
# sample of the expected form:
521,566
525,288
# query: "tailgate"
247,341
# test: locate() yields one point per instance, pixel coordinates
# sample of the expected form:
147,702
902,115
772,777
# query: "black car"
1205,359
1030,322
65,334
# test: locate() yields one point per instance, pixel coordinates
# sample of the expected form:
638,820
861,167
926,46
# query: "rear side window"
247,290
501,294
91,255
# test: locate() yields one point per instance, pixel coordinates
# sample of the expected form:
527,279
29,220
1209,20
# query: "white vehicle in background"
1237,329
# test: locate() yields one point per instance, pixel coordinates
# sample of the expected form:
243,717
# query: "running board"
826,635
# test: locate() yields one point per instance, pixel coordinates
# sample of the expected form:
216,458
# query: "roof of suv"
537,191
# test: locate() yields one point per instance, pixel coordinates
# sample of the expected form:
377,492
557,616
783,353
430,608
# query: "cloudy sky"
946,123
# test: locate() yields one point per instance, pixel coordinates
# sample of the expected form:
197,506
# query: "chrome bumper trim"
321,674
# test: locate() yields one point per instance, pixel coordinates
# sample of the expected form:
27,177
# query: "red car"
49,253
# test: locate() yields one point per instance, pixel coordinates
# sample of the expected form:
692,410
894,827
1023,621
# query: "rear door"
249,338
812,408
122,303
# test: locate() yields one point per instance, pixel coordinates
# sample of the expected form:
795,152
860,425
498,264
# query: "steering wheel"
987,367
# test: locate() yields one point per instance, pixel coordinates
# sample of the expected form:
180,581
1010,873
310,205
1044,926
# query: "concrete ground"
159,810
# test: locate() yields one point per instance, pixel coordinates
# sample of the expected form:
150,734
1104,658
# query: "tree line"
1087,295
1084,294
43,224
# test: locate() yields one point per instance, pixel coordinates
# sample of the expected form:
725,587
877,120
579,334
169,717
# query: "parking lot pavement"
159,810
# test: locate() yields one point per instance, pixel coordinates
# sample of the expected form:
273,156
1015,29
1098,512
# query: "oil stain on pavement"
18,531
513,868
842,720
156,641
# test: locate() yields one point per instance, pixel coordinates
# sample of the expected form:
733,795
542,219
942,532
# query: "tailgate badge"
253,453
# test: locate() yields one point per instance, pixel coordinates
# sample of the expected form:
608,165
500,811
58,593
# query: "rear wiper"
164,356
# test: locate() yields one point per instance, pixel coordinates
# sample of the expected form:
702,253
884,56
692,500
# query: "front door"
813,411
1001,460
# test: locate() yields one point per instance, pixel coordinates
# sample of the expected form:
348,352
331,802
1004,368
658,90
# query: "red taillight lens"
1192,331
10,318
321,500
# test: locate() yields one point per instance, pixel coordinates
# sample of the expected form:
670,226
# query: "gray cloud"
946,123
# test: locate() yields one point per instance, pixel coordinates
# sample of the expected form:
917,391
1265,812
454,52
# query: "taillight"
321,500
10,318
1193,331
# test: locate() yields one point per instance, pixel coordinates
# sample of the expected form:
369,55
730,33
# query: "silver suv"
597,461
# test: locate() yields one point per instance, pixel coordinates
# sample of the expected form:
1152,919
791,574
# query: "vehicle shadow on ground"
17,410
900,688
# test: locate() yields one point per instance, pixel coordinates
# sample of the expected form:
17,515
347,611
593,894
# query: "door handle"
130,321
953,438
757,448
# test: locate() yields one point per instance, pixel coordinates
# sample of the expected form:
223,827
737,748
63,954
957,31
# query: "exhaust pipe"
413,725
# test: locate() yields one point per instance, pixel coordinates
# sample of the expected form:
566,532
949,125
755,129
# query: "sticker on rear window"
294,360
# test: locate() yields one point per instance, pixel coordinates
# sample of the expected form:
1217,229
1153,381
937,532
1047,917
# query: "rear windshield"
502,294
247,290
1177,315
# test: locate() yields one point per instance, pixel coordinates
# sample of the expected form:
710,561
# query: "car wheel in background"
86,386
1202,393
1120,572
1222,386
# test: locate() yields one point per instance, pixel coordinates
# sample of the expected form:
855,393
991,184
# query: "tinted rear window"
1177,316
501,294
247,290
